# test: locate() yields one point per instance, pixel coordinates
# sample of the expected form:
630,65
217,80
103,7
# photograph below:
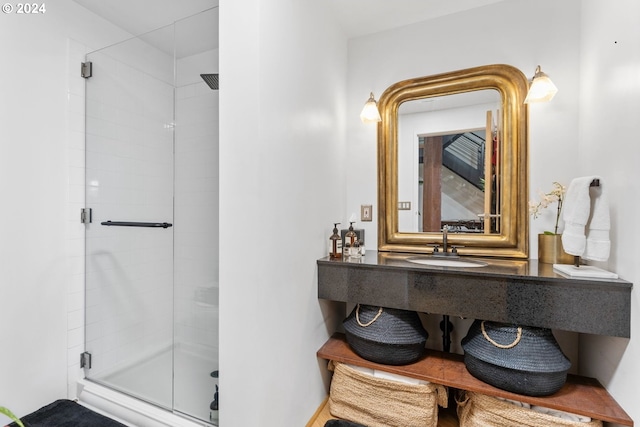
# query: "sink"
446,262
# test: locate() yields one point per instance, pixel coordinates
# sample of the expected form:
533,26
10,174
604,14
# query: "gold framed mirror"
422,119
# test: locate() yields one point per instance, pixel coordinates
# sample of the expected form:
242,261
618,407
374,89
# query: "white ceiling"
150,20
361,17
357,17
141,16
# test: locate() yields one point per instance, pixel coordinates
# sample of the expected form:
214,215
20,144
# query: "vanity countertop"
523,292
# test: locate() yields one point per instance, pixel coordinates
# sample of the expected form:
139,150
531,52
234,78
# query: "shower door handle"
137,224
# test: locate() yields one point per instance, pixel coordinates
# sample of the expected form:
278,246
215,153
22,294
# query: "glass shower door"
129,243
152,247
196,215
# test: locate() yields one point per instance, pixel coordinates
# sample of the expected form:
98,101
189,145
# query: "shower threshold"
129,410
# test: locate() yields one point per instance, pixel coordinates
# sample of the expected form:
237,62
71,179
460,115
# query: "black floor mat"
341,423
66,413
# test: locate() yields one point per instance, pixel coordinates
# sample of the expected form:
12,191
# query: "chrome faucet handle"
454,249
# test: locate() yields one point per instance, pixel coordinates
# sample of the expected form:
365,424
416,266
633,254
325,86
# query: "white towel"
598,244
366,371
399,378
515,402
386,375
575,213
561,414
584,205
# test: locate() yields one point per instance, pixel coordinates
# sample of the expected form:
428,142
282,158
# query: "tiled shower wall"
196,207
196,236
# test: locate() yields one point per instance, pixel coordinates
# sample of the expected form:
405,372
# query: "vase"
550,250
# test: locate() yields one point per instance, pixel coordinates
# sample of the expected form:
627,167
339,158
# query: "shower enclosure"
152,241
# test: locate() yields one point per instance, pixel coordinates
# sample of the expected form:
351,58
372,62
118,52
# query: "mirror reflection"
447,163
452,150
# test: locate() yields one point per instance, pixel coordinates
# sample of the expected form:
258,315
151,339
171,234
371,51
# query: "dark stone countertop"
522,292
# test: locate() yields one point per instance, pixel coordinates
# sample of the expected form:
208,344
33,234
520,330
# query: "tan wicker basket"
479,410
379,402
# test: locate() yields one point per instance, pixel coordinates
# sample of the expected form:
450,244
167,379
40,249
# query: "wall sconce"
370,113
542,88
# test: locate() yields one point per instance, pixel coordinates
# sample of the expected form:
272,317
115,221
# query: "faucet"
445,246
445,228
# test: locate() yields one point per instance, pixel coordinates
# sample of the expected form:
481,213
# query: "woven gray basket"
385,335
524,360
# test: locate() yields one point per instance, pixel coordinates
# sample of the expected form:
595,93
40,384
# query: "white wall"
610,107
282,112
39,147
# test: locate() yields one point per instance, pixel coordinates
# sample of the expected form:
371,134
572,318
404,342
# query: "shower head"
211,80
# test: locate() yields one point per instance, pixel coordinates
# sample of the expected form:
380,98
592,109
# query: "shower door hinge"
86,70
85,215
85,360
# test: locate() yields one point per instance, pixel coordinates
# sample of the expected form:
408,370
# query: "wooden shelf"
580,395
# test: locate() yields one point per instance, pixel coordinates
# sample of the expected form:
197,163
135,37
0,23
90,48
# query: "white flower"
546,199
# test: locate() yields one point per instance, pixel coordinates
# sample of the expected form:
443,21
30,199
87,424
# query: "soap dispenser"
351,235
355,250
335,243
346,251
